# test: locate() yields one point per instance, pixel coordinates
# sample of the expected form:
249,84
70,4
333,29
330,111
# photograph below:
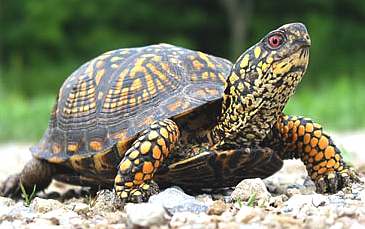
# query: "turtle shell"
118,94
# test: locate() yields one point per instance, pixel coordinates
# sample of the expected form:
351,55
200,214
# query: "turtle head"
278,60
262,80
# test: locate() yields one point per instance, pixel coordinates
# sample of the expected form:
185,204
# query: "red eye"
275,40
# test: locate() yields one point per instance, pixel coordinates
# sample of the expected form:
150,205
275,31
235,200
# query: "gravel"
284,200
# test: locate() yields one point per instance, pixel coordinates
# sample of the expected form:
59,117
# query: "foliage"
27,197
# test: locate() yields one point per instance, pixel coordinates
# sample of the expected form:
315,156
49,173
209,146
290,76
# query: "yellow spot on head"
257,52
244,61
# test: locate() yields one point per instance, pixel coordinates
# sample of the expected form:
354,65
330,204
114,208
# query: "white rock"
45,205
248,215
175,200
248,187
145,214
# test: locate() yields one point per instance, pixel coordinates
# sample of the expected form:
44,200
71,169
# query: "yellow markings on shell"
116,58
257,52
145,147
205,75
96,145
206,59
136,85
244,61
72,148
98,76
125,165
157,72
197,64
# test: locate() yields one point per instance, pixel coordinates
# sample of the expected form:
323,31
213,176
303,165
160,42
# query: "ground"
285,200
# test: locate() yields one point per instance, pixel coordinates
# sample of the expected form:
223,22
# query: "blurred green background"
42,42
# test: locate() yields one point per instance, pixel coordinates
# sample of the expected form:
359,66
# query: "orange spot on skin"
294,137
285,129
147,177
156,152
157,164
96,145
331,163
147,167
316,167
314,142
290,124
138,176
322,170
319,156
309,128
307,149
323,163
323,142
307,138
301,130
329,152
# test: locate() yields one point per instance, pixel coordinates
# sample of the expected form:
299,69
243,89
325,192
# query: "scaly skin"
141,161
302,138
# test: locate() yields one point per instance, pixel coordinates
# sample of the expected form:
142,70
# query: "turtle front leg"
302,138
133,182
35,173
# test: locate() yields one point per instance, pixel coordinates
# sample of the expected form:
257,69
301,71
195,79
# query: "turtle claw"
332,182
139,194
10,187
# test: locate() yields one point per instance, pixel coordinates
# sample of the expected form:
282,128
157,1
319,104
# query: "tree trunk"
239,13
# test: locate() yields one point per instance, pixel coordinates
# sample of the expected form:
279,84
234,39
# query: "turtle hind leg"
35,173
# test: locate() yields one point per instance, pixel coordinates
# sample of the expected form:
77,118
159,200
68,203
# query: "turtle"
134,119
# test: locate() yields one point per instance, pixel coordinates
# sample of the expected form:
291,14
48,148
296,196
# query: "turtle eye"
275,40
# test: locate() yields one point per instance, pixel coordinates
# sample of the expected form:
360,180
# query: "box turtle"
163,115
